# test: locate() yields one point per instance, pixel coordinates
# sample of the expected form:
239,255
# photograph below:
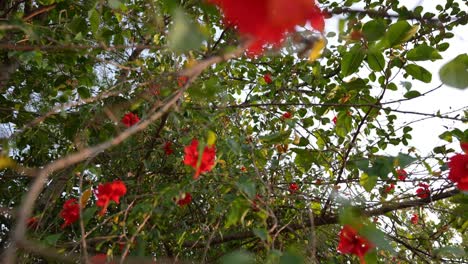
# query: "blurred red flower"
70,212
389,188
287,115
185,199
415,219
110,191
168,148
424,191
267,78
293,187
207,159
129,119
335,119
464,146
352,243
401,174
32,222
182,80
267,21
458,174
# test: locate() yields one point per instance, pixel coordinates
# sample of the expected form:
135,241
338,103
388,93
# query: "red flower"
415,219
293,187
287,115
243,169
389,188
111,191
168,148
184,200
424,191
401,174
352,243
458,165
100,259
335,119
267,78
207,160
182,80
32,222
255,207
70,212
266,20
464,146
129,119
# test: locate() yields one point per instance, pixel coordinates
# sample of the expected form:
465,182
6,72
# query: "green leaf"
398,33
94,20
352,60
423,52
247,186
412,94
84,92
291,258
376,60
51,240
419,73
261,233
451,252
343,124
368,182
278,137
237,211
455,72
238,257
377,237
115,4
184,35
374,29
404,160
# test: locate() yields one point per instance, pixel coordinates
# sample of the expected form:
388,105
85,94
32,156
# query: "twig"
129,243
82,227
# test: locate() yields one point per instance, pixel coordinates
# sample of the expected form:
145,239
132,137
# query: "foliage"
94,92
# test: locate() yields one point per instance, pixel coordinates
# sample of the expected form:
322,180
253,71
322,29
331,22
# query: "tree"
200,131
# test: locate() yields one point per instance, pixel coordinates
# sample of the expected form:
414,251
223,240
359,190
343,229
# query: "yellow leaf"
85,197
211,138
316,50
6,162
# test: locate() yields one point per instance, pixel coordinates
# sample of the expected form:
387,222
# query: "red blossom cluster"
401,174
207,160
415,219
389,188
335,119
352,243
267,78
286,115
130,119
70,212
423,191
293,187
32,222
111,191
185,199
168,148
458,165
182,80
268,21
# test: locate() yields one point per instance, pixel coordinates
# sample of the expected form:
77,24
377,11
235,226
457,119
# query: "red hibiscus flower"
352,243
287,115
192,156
401,174
267,78
458,174
265,20
32,222
415,219
293,187
182,80
168,148
464,146
70,212
129,119
185,199
335,119
389,188
424,191
111,191
243,169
